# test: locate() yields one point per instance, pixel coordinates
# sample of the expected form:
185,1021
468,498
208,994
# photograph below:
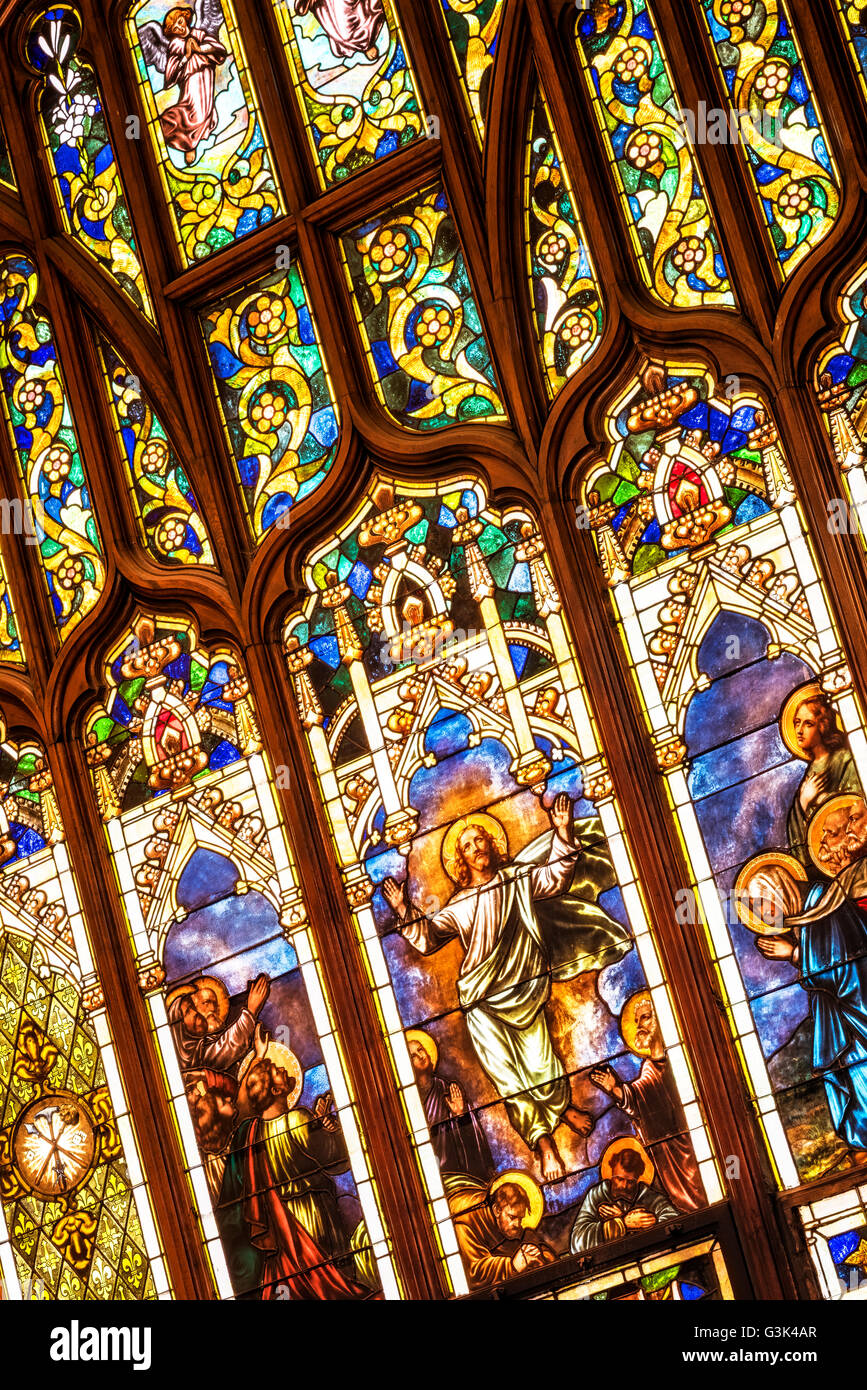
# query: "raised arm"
424,934
550,879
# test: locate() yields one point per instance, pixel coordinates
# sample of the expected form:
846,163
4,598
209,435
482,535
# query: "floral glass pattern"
43,436
229,969
168,516
756,731
473,28
86,177
460,769
275,395
426,349
353,80
75,1220
664,202
566,302
779,126
204,122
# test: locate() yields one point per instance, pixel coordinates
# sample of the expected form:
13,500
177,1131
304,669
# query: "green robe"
842,777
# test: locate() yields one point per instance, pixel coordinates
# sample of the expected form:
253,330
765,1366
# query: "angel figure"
187,51
352,26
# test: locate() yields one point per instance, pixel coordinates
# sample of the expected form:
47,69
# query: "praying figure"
513,949
624,1201
456,1132
352,26
187,51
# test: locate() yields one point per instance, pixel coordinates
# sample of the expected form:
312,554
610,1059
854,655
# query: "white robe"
504,984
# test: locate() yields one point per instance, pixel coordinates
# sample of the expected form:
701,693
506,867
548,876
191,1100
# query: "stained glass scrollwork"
665,205
86,179
567,304
841,389
854,21
169,521
57,510
353,80
468,798
75,1218
228,965
756,729
207,133
426,350
778,123
473,28
7,173
275,395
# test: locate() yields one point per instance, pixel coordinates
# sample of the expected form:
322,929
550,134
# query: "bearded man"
513,949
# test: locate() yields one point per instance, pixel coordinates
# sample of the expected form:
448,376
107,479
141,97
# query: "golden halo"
620,1146
210,982
425,1041
811,691
454,832
628,1024
769,859
281,1056
531,1190
844,801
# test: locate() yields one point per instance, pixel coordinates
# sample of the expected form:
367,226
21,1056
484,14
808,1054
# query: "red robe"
292,1257
652,1103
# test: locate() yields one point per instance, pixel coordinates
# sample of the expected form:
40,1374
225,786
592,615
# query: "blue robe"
833,965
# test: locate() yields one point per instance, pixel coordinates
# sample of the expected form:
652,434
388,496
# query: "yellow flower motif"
266,319
390,250
269,411
170,534
57,464
688,254
577,329
155,456
644,149
434,325
552,248
795,199
772,79
70,573
632,64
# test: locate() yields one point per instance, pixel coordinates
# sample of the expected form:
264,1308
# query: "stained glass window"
854,23
777,123
228,966
11,646
75,1220
470,803
353,80
756,728
566,299
841,382
425,344
86,178
7,173
168,516
671,225
56,508
473,28
274,392
207,133
687,1273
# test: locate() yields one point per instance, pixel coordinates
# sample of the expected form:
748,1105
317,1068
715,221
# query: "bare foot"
580,1120
372,52
190,157
549,1159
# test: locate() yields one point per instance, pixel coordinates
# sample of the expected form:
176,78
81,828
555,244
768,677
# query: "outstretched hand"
258,994
561,816
261,1040
395,895
776,947
455,1099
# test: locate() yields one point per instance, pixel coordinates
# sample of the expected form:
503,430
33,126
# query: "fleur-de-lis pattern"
779,125
426,349
228,190
566,301
665,205
473,28
359,104
275,395
169,521
86,180
46,448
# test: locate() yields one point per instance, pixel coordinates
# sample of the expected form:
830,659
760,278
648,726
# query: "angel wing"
154,45
209,16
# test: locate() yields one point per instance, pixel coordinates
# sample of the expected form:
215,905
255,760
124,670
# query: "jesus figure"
513,948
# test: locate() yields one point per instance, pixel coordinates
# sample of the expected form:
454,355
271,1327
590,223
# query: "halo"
620,1146
531,1190
811,691
816,825
211,982
425,1041
769,859
628,1024
454,832
281,1056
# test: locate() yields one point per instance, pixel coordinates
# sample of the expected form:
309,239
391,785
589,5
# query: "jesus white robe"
505,978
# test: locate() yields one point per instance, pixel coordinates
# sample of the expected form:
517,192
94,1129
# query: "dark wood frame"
770,341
